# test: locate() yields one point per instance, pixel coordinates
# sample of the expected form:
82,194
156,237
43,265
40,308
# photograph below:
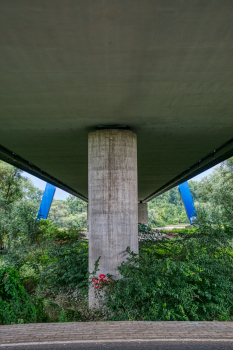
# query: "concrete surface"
112,194
140,345
162,67
117,332
142,213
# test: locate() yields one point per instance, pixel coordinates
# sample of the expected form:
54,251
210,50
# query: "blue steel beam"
46,201
188,201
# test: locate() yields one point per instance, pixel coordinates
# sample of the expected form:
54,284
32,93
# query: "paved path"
155,345
118,332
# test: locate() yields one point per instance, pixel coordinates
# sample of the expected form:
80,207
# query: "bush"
67,266
15,304
186,278
70,305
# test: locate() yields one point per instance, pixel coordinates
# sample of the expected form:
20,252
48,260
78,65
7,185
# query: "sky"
59,194
205,173
62,195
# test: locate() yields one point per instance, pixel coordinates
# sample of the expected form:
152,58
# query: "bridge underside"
162,68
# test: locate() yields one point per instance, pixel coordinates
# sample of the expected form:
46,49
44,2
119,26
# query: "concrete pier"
112,199
87,216
142,213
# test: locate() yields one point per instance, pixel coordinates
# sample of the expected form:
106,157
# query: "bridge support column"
112,199
87,216
142,213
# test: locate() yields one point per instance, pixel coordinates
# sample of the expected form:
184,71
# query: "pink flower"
102,276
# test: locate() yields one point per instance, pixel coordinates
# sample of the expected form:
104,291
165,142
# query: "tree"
10,183
58,212
152,218
216,194
82,219
194,189
76,205
31,192
10,192
169,209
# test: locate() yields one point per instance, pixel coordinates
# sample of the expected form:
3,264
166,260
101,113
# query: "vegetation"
168,209
69,213
216,196
185,276
15,304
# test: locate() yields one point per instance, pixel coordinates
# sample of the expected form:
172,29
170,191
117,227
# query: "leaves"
15,304
162,284
67,266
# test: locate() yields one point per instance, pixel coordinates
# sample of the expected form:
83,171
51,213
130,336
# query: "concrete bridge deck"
162,68
109,332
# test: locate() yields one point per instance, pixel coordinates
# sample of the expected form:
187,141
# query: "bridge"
116,102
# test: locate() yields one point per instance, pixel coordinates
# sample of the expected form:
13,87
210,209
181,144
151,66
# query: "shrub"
15,304
68,266
70,305
186,278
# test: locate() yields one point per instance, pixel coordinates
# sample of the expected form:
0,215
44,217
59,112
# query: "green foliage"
181,230
19,201
66,214
63,317
15,304
216,195
76,205
82,219
187,278
59,258
58,212
10,183
168,208
31,193
67,266
152,218
194,189
68,237
28,241
71,305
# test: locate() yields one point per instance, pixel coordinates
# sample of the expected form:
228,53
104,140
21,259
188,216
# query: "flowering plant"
101,282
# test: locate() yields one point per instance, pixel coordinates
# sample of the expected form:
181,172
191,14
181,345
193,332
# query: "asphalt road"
208,345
